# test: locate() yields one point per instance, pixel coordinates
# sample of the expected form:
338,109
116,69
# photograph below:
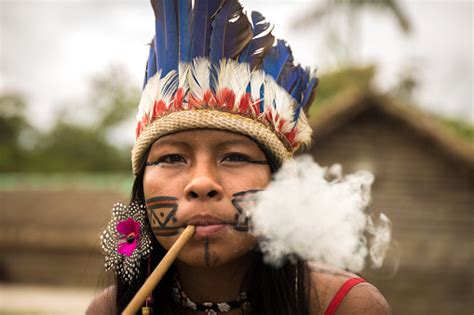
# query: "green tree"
71,146
12,126
74,148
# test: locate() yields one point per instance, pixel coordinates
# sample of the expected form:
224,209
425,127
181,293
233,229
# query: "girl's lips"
203,231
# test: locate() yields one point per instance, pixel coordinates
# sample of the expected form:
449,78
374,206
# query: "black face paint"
161,212
206,251
264,162
243,200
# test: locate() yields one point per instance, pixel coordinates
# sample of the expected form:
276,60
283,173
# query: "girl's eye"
236,157
169,159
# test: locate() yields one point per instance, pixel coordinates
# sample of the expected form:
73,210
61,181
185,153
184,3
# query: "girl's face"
197,177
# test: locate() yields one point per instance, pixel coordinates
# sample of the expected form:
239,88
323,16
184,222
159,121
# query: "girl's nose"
204,186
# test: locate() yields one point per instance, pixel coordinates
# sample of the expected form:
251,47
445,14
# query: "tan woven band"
208,119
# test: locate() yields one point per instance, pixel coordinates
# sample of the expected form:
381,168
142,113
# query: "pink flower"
130,229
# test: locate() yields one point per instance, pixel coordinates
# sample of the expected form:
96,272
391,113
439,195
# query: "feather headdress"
212,66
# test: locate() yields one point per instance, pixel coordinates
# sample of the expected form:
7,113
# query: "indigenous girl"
222,108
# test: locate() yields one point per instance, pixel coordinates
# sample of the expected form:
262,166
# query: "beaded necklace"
208,307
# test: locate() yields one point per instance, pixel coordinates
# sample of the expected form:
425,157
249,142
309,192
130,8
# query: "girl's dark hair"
271,290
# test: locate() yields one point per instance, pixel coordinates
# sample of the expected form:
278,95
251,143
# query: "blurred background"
395,98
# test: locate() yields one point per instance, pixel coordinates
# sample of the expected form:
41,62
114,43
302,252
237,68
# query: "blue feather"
276,58
203,13
166,35
297,90
145,79
184,23
309,93
260,44
231,31
294,79
151,64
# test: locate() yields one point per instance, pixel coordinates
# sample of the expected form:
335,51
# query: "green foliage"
333,83
12,125
460,128
114,97
68,146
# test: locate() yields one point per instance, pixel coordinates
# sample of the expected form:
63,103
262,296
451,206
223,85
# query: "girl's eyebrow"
186,145
226,144
170,142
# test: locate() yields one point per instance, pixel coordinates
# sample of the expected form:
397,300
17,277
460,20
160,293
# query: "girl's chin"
214,254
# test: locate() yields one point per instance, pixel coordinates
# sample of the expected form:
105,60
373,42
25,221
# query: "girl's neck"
214,284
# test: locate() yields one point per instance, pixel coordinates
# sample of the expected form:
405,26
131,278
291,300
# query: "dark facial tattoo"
162,214
242,201
206,251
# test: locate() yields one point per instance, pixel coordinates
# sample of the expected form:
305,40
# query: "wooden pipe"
159,271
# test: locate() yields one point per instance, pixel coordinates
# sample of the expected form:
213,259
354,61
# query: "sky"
50,49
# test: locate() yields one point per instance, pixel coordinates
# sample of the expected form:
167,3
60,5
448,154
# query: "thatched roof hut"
424,182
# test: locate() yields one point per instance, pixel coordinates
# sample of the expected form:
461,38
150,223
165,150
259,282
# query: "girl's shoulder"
104,302
345,292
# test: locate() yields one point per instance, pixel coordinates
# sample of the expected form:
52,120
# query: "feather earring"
125,241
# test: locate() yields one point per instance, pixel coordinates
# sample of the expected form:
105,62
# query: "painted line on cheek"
251,191
159,231
161,198
170,216
241,228
242,197
162,210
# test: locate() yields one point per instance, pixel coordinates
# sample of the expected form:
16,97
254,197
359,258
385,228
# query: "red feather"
194,102
178,99
210,99
145,120
244,103
226,98
281,123
256,107
138,130
290,136
159,109
268,116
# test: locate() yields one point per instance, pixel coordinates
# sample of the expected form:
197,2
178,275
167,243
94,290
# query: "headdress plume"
210,66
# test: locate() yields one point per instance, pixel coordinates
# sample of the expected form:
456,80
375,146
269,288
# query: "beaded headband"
211,67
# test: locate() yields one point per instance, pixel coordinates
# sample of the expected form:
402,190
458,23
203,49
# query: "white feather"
183,71
223,75
148,95
257,79
284,103
304,132
198,77
242,73
235,76
269,92
168,87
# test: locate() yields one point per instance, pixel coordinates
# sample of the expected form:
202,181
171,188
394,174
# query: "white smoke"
319,215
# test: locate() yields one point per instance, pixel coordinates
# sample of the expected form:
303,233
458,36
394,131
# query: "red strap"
341,294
